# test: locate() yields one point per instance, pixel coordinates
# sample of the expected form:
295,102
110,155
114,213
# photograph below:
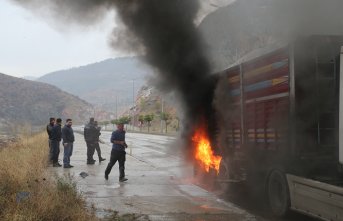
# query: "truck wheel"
278,193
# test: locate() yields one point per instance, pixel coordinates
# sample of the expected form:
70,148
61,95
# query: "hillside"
103,82
150,101
28,102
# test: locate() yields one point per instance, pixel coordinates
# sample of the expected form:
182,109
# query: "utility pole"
116,106
162,112
133,104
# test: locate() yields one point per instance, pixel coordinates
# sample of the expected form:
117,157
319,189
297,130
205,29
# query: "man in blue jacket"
68,140
118,152
56,135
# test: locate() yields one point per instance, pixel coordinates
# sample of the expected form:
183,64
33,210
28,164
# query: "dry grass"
115,216
23,170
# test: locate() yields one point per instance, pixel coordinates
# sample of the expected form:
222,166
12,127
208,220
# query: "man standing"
49,130
56,136
68,140
97,146
90,132
118,152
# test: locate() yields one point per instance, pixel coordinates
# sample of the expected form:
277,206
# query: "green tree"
114,122
178,123
122,120
125,120
106,123
166,117
142,103
148,118
141,121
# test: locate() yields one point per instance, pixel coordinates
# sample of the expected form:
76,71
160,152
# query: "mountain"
31,78
108,84
29,102
150,101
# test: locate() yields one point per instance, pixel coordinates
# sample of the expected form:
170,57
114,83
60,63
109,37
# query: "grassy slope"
23,169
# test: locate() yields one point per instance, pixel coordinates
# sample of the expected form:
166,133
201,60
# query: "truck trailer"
280,125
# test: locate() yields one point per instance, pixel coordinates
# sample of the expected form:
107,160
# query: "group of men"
56,135
91,133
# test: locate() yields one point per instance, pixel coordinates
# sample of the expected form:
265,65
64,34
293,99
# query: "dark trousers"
68,151
50,151
119,156
90,151
97,148
55,150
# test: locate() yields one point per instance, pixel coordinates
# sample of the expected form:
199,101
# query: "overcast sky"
30,46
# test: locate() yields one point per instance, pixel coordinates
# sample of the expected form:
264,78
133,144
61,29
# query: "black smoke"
172,45
163,30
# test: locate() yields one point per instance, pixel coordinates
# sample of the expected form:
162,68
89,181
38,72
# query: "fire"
203,150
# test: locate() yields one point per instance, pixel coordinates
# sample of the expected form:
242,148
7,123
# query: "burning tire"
278,193
224,171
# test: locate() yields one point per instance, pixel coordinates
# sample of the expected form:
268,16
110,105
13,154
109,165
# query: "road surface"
160,183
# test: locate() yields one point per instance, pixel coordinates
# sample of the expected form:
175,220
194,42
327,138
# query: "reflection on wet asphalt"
160,183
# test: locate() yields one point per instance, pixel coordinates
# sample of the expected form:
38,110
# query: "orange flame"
203,150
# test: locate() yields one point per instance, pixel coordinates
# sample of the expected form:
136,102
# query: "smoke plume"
235,30
163,30
172,45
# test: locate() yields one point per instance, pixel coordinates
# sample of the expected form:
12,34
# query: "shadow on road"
257,204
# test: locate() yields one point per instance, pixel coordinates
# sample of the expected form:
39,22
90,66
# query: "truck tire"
278,193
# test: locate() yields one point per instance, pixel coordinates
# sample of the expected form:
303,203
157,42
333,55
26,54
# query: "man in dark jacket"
97,146
90,133
56,135
118,152
68,140
48,130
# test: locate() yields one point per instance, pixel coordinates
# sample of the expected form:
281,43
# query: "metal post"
133,104
293,126
340,129
161,114
116,105
242,104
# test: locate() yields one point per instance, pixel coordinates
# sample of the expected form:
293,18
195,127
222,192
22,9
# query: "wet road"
160,185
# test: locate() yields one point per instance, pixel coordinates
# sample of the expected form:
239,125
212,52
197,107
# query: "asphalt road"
161,185
162,152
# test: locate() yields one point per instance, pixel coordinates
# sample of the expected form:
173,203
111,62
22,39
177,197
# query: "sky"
30,46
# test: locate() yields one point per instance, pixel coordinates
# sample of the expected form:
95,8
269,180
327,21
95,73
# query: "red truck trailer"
281,125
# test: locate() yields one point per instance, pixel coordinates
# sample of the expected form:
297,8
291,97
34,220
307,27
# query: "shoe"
67,166
91,162
106,177
71,165
122,179
102,159
56,165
